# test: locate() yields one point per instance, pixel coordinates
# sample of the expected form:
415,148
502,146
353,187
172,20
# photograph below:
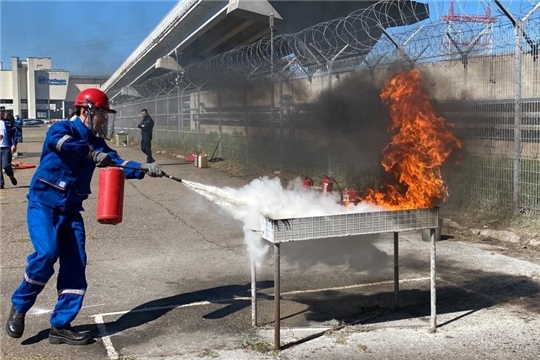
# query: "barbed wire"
382,34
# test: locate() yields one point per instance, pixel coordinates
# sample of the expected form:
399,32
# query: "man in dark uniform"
146,126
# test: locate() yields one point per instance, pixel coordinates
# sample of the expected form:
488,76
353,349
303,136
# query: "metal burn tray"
320,227
278,231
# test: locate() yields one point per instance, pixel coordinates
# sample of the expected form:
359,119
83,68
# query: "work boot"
15,324
13,180
69,336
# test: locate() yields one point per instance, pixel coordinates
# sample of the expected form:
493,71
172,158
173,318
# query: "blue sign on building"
42,80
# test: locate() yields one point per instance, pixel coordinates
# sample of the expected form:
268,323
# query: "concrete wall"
6,85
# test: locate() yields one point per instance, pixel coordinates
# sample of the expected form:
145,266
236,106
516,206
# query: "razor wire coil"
355,41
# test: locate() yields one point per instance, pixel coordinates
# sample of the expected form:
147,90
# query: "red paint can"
110,204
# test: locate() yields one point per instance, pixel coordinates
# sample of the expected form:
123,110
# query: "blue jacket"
147,126
11,138
18,128
62,179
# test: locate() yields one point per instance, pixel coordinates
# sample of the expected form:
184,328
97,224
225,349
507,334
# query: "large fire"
422,141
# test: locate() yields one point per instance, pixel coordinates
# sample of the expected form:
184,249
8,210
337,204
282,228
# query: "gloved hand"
100,158
152,169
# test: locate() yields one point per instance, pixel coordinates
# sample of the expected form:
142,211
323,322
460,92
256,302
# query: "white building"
33,90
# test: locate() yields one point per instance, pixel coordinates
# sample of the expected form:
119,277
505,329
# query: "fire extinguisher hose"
136,168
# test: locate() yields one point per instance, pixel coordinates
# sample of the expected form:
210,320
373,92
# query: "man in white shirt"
8,142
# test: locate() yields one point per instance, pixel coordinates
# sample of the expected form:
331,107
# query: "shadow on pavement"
154,309
480,291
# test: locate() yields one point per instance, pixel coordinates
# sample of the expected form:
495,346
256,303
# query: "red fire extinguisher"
350,195
326,185
110,205
307,183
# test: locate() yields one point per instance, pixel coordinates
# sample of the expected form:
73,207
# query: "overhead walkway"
197,29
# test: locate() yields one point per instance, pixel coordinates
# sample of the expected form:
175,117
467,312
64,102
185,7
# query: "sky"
79,36
97,36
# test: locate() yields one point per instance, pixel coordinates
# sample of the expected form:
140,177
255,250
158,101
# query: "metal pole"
277,341
517,118
155,115
281,124
246,129
181,111
272,72
396,270
49,100
253,292
168,117
534,9
329,77
219,122
198,123
177,83
433,326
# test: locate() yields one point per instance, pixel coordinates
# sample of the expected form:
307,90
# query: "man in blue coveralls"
71,152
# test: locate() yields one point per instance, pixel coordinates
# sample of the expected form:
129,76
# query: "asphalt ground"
172,281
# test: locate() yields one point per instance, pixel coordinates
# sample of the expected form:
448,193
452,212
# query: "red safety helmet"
94,97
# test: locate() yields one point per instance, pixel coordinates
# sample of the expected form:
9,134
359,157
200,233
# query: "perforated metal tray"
319,227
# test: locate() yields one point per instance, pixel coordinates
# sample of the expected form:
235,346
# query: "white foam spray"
268,197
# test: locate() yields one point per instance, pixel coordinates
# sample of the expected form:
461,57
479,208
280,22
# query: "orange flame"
422,141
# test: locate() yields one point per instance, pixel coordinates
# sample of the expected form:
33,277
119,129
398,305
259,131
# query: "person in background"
19,129
8,145
71,152
147,126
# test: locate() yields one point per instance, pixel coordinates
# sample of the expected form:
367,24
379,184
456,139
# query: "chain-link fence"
309,102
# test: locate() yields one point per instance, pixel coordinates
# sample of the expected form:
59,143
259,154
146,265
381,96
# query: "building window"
6,101
24,101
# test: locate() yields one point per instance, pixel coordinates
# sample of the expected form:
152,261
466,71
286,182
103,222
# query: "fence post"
156,114
180,106
198,122
246,128
219,122
517,119
281,123
271,19
168,114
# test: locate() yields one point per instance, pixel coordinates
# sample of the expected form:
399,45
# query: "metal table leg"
433,327
253,293
396,270
277,316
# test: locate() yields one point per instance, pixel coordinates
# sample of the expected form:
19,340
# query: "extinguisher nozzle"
172,177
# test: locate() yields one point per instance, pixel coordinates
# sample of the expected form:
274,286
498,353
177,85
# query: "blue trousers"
5,163
55,235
